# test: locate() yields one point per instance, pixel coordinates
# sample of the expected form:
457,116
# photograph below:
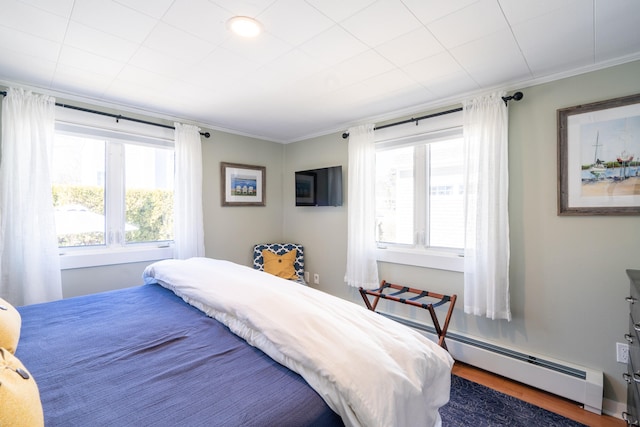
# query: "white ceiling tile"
160,63
413,98
83,60
493,59
251,8
333,46
282,20
517,11
180,93
617,28
58,7
124,91
410,47
27,44
156,8
27,69
472,22
200,18
259,50
91,40
382,21
379,88
358,68
113,18
433,67
314,85
428,11
68,78
450,85
357,58
139,78
33,20
220,68
176,43
345,110
338,10
288,68
566,42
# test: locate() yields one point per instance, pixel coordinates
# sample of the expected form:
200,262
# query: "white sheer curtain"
486,254
187,199
29,258
362,267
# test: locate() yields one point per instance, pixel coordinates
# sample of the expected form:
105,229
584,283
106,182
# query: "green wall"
231,232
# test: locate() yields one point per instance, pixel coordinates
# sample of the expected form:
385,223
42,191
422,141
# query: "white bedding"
370,370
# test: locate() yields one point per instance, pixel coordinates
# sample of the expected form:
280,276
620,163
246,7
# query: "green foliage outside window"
91,197
150,212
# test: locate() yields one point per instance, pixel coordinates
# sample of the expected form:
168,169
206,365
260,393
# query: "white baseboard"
574,382
613,408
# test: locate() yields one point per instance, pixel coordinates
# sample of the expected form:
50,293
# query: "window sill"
83,258
429,259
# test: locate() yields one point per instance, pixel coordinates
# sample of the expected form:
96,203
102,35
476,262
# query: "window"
112,194
420,195
78,176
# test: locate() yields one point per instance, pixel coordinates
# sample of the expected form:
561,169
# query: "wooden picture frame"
242,185
599,158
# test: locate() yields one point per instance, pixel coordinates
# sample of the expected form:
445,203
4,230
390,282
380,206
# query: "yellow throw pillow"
20,404
10,323
280,265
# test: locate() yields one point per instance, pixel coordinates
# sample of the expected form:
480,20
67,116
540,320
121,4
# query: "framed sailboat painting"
599,158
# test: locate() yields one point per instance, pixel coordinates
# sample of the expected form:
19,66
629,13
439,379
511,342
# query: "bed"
209,342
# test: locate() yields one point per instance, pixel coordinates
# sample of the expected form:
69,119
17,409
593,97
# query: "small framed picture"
599,158
242,185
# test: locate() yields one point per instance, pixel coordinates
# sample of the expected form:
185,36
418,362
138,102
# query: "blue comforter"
141,356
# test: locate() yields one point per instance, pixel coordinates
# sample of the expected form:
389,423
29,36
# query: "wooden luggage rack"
418,294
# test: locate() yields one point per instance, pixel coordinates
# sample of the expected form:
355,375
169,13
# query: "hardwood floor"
536,397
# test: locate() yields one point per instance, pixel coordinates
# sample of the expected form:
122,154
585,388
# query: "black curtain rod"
516,97
115,116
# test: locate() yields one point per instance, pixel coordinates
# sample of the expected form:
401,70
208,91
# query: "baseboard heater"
577,383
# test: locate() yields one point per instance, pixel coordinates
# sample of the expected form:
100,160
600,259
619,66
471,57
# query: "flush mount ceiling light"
244,26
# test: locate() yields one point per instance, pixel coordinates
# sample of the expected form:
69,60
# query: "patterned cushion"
280,249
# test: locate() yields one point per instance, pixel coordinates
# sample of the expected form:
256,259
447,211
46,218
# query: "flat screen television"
319,187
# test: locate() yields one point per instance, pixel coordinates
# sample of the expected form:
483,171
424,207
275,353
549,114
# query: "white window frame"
76,122
433,129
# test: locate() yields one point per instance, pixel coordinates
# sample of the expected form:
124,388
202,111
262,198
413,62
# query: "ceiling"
319,65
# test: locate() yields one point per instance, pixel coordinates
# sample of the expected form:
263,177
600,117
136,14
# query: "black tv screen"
319,187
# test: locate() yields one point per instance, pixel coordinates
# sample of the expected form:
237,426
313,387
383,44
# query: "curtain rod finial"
345,135
516,97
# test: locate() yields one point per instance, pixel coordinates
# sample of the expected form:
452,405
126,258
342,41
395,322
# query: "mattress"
142,356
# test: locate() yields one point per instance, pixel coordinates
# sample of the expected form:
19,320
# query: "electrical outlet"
316,278
306,276
622,352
